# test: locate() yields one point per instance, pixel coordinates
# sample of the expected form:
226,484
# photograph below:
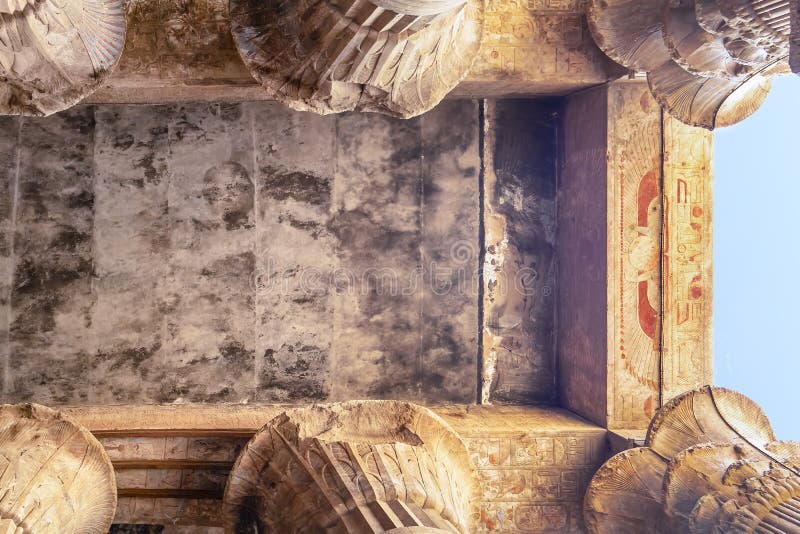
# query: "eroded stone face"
520,260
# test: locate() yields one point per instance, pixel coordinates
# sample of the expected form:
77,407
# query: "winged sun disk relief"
54,53
709,62
397,57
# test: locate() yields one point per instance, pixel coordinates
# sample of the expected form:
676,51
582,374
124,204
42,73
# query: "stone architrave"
55,477
709,63
710,464
635,272
53,54
398,57
359,467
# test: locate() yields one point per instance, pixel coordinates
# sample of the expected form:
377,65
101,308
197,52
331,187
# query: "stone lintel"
533,463
634,319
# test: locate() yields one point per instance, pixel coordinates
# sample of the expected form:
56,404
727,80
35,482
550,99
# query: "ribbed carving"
55,477
709,62
54,53
710,465
398,57
358,467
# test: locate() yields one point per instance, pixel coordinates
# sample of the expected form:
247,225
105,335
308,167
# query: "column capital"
56,477
361,466
709,64
711,463
398,57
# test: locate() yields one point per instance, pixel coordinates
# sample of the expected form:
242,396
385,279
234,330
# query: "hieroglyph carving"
709,62
357,467
55,477
399,57
54,53
711,464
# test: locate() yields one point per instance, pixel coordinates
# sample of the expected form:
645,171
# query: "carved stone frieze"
399,57
380,466
711,464
709,62
55,477
53,54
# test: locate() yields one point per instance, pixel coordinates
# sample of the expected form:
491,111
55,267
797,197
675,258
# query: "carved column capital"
711,464
398,57
709,62
55,53
360,467
55,477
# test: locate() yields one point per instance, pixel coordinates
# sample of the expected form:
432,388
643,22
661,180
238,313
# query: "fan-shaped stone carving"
55,477
709,62
53,53
398,57
711,464
356,467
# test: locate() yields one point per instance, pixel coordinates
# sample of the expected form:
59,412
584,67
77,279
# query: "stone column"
711,463
398,57
55,53
55,477
357,467
709,63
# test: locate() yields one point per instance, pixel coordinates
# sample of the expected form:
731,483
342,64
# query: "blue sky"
757,257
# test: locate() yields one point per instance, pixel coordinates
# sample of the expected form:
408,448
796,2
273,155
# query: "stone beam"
634,242
183,51
533,464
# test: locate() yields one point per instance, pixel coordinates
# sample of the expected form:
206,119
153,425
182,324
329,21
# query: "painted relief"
687,262
635,179
534,483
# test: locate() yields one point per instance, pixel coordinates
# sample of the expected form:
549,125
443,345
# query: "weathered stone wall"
241,252
520,261
247,252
